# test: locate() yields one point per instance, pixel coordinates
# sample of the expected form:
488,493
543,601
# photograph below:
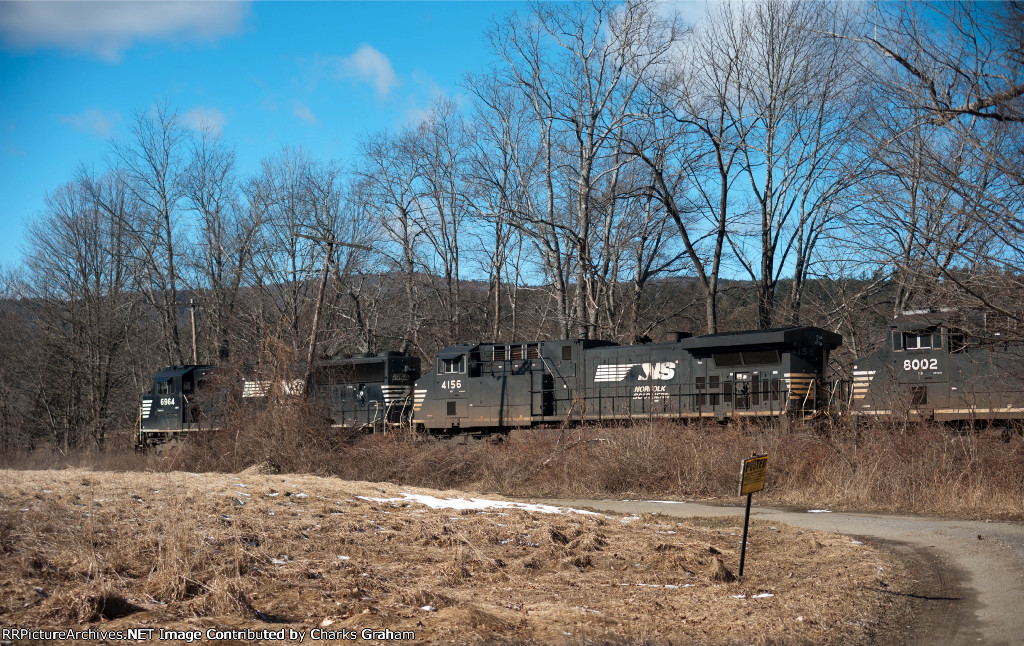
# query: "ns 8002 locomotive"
496,387
951,365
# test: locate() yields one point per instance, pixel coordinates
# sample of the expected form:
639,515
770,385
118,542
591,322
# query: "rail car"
363,391
943,365
495,387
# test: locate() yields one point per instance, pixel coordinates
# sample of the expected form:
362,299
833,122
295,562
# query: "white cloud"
303,112
205,118
369,65
106,29
92,121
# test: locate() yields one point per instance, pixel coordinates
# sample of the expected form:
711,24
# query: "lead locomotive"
363,391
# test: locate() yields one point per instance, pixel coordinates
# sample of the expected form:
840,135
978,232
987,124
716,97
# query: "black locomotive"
177,403
364,391
943,365
495,387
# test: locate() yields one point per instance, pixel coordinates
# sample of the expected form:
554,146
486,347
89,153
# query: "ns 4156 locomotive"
945,365
495,387
363,391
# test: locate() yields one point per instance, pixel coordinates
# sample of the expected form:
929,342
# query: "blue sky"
267,74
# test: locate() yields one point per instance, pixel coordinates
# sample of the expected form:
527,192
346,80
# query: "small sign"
752,474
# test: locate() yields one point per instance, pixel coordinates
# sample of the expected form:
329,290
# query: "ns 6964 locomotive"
364,391
495,387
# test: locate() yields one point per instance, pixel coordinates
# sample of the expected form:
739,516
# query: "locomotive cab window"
922,340
957,342
454,366
163,387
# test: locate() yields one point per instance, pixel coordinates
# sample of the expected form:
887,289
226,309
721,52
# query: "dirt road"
971,572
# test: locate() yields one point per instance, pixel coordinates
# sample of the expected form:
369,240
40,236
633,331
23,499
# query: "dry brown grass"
111,550
909,468
922,468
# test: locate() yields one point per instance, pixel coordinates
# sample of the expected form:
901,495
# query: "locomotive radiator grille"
861,382
418,397
255,388
799,384
395,394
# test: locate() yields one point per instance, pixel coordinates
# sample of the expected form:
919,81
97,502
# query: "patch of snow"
429,608
477,503
278,562
301,495
239,484
276,493
344,558
763,595
819,511
739,596
857,542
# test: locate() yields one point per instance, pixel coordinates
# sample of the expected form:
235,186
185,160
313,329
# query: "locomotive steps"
212,551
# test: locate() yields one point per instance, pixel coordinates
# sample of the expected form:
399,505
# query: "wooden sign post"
752,472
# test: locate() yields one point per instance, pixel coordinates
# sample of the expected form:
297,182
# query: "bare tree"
795,96
441,141
578,68
502,166
80,278
284,265
153,165
946,191
224,241
390,171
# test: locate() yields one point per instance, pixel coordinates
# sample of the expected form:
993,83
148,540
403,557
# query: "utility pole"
192,308
331,242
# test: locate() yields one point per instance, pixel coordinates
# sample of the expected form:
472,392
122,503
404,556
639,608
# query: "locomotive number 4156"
920,364
451,383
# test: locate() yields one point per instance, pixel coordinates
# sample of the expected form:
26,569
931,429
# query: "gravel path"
972,572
